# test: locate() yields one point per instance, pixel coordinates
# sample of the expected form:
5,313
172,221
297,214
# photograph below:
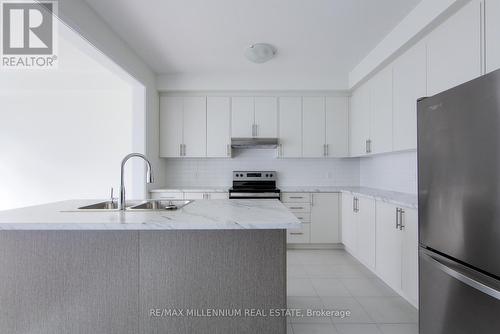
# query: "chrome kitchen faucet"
149,175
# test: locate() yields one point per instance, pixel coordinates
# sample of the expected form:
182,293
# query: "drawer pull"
296,197
168,197
297,207
296,233
300,217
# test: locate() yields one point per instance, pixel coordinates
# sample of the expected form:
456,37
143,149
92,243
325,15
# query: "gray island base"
142,281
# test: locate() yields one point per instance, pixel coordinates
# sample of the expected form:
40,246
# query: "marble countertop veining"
198,215
394,197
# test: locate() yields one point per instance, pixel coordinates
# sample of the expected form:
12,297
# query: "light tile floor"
334,280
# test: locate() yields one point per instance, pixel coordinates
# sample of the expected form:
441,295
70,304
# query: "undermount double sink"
149,205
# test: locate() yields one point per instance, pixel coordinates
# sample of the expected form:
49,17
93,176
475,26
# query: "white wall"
291,172
393,171
62,132
78,15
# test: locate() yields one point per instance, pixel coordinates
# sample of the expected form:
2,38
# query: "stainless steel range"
254,185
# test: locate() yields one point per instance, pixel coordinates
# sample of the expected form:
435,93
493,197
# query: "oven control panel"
254,176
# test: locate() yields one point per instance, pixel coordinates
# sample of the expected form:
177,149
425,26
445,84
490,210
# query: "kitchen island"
214,266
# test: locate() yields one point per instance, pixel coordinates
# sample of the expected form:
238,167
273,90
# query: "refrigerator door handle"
462,276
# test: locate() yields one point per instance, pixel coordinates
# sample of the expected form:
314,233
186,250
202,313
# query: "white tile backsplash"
291,172
393,171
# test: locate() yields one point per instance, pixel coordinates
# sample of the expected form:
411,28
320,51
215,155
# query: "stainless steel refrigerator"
459,209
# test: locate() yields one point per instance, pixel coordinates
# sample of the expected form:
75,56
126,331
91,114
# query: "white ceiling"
315,38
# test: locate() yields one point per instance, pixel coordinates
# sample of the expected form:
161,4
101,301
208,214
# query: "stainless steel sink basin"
149,205
107,205
159,205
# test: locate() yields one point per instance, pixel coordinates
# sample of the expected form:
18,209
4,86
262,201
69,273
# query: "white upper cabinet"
242,117
337,125
381,112
266,117
492,35
325,218
359,121
171,119
313,127
195,127
183,127
254,117
454,50
409,84
218,127
290,127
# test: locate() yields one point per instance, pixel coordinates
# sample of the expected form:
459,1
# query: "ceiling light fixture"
260,52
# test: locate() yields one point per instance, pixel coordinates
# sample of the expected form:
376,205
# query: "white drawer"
168,195
304,217
296,197
299,236
298,207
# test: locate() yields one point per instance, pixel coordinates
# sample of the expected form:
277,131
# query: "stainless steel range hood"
258,143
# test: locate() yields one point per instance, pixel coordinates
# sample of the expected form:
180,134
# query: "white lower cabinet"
358,227
325,218
319,214
389,243
365,213
409,282
301,235
383,237
397,249
349,223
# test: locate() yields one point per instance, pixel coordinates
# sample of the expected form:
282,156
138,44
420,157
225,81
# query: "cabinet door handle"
296,197
401,216
354,204
296,233
296,207
327,149
369,146
397,217
228,150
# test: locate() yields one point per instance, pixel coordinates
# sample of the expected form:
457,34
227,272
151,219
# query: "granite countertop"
198,215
